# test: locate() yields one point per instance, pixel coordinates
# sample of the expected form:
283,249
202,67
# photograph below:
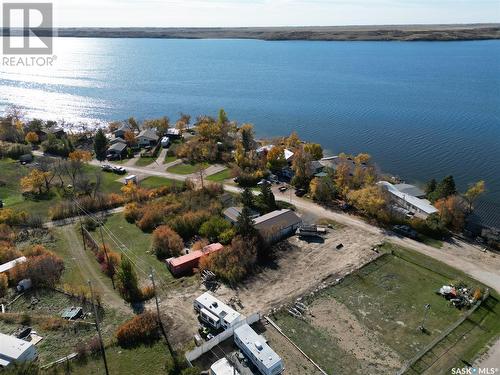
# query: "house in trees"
402,198
120,132
117,150
277,225
232,214
147,137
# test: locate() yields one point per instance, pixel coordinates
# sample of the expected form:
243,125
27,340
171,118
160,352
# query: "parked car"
406,231
107,168
283,189
119,170
165,142
300,192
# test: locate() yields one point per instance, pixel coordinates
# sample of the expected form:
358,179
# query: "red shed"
186,263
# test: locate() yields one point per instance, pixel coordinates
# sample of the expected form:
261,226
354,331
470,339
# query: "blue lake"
422,109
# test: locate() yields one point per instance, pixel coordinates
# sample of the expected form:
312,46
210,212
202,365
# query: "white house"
9,265
419,207
13,349
258,352
216,313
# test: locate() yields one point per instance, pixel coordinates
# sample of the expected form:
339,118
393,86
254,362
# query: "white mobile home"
256,349
216,313
13,349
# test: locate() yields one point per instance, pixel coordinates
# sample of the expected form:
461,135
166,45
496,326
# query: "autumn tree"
293,141
44,270
166,242
473,192
362,159
34,182
141,329
80,156
276,158
133,123
370,199
315,150
452,212
343,178
4,284
31,137
322,189
127,281
301,166
130,138
100,145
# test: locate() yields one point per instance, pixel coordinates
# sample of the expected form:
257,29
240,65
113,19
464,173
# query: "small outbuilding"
232,214
71,313
186,263
147,137
13,349
223,367
277,225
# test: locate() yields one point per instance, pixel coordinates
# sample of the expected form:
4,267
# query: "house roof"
279,218
220,309
410,190
233,213
422,204
117,140
118,146
173,131
315,165
257,345
9,265
11,348
148,134
197,254
223,367
123,128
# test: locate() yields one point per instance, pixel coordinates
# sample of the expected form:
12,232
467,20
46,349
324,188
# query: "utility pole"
106,254
96,316
83,235
160,323
427,307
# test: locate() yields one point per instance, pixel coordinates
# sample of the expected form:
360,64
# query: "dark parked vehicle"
107,168
406,231
119,170
300,192
113,157
283,189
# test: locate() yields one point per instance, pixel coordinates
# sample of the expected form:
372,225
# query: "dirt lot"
284,280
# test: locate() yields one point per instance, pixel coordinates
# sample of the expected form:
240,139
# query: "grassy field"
220,176
142,162
386,299
169,159
11,194
153,182
58,340
187,168
152,359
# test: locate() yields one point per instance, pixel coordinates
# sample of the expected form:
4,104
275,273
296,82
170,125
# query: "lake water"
422,109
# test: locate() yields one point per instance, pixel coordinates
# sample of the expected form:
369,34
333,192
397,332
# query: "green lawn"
387,298
153,359
143,162
220,176
438,244
153,182
187,168
139,244
109,183
169,159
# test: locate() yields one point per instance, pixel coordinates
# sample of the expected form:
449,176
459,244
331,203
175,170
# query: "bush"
10,217
142,329
166,242
188,224
4,284
43,270
131,212
214,227
150,220
13,150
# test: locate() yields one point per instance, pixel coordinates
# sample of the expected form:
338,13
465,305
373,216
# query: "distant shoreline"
458,32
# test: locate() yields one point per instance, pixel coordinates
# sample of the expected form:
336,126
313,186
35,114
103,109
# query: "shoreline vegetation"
452,32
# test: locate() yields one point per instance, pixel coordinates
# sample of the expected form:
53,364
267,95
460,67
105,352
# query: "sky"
211,13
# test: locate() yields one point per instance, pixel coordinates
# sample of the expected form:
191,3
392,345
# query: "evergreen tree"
430,187
267,196
222,118
127,281
100,145
446,187
244,225
247,198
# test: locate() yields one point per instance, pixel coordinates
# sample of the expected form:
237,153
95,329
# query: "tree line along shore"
319,33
